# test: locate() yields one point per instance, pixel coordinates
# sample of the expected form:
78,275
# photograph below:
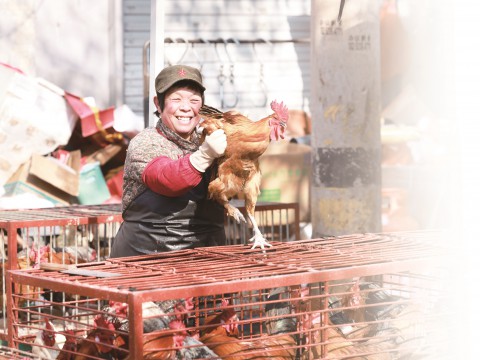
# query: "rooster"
101,342
45,345
69,347
372,324
225,322
330,343
369,310
177,345
155,315
222,339
238,171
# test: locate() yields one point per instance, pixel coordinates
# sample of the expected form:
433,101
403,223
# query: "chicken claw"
235,213
259,240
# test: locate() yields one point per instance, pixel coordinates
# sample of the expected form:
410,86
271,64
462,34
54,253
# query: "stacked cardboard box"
51,148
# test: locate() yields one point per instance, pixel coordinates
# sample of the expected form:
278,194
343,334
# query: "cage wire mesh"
371,296
84,233
12,353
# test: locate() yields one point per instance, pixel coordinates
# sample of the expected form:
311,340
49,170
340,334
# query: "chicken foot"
235,213
258,238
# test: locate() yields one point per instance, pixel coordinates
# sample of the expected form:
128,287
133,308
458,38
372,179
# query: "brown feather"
238,171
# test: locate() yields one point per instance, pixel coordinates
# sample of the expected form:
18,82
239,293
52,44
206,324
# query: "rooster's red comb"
101,322
280,109
48,324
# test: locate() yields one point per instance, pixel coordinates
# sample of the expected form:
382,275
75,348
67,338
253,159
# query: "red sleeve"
171,177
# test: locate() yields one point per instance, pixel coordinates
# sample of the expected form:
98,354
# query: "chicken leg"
251,192
258,238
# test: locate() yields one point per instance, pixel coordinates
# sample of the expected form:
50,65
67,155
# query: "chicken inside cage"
389,316
67,236
60,245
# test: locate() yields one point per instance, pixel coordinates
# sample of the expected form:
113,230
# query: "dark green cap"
175,73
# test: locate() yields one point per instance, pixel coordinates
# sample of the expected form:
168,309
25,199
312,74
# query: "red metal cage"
362,296
84,233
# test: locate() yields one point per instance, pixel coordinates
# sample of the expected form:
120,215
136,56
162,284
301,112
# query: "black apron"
155,223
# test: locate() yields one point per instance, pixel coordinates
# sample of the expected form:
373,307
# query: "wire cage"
362,296
12,353
84,233
277,222
66,235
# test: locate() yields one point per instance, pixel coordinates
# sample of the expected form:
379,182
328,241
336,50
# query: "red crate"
375,296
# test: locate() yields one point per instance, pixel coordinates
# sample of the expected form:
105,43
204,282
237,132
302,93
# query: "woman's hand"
213,147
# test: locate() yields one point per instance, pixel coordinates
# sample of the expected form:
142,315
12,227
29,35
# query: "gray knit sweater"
146,146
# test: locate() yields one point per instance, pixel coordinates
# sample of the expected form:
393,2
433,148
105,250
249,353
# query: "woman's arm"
171,177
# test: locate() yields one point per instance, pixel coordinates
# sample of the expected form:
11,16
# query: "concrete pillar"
346,173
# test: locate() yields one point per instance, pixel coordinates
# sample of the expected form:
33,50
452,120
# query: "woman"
165,205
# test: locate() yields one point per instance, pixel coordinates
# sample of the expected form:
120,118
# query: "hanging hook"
187,45
221,77
195,53
168,40
232,73
261,75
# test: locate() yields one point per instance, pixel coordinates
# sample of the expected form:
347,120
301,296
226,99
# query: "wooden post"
346,173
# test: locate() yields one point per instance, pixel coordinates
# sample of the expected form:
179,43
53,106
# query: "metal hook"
186,49
168,40
200,62
232,74
262,80
221,78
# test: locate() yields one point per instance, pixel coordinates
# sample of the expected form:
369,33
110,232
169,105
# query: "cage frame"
360,261
89,215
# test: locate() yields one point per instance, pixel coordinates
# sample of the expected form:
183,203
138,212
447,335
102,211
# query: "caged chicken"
238,171
222,335
45,345
156,316
176,345
101,342
364,321
69,347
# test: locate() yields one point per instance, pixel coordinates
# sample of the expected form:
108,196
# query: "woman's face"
180,112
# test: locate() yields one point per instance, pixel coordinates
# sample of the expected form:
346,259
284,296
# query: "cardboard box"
50,176
93,188
34,119
286,172
19,188
103,155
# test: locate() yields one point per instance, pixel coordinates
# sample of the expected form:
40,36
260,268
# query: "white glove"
213,147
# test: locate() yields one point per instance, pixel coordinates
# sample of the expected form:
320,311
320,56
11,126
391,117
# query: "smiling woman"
165,205
180,110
